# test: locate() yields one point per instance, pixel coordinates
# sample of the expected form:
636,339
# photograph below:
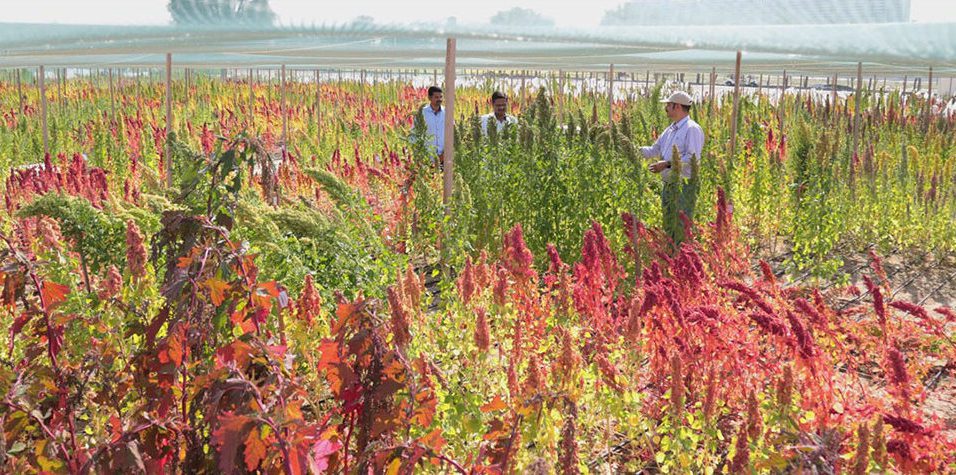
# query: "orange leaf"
184,262
176,344
53,293
255,449
496,404
217,290
433,440
270,288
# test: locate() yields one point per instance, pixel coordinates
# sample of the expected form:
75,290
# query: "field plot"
275,284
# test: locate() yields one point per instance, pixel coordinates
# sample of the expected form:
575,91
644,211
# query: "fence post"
42,83
169,119
449,152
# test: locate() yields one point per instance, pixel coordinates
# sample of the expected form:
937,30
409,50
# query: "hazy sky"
564,12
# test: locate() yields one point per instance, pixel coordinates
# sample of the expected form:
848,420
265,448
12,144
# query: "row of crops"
299,300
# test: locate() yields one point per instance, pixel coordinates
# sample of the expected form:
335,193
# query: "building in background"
757,12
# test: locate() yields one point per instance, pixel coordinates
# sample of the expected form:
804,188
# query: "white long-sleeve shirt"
689,139
499,124
435,126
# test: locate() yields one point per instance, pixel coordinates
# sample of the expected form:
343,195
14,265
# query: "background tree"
520,17
195,12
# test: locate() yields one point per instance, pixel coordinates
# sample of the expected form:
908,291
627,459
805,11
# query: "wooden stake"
112,101
449,153
42,83
252,104
318,110
560,94
20,90
857,99
929,99
610,95
833,98
733,118
781,116
282,110
713,83
169,119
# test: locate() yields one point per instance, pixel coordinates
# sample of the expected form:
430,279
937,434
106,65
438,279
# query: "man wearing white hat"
683,133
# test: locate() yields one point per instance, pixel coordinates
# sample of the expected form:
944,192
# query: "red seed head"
135,252
482,330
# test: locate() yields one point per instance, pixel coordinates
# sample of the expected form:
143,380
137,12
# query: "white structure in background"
757,12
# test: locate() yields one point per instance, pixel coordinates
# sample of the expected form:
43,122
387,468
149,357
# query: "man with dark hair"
434,115
499,104
683,133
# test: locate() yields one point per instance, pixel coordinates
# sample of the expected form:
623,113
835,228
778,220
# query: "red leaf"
53,293
230,434
255,449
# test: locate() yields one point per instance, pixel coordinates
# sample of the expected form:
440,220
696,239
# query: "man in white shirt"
683,133
499,104
434,115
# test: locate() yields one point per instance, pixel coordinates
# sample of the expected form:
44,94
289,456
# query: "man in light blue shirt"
434,115
683,133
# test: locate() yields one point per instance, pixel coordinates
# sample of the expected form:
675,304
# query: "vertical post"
610,95
833,98
42,83
186,79
318,110
760,85
169,119
713,83
112,101
560,93
929,98
20,90
733,118
282,110
449,157
857,99
59,88
781,116
252,103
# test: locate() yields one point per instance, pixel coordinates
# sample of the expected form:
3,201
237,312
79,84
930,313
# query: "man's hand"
658,167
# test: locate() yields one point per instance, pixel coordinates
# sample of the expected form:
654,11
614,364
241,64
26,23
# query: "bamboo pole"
112,101
169,119
857,100
733,118
282,109
20,90
318,110
610,95
833,98
561,96
42,83
59,89
929,98
781,115
449,152
713,83
250,115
